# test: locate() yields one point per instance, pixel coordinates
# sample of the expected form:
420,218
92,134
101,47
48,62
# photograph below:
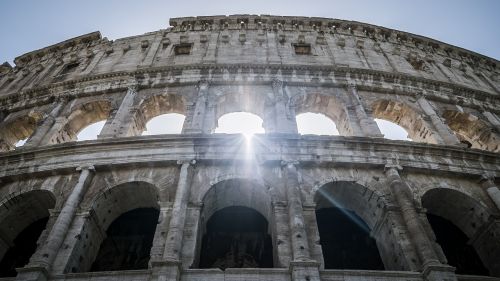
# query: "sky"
27,25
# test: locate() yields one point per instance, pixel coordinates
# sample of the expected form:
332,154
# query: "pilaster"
368,125
47,252
443,131
284,120
432,268
121,124
197,118
37,137
489,186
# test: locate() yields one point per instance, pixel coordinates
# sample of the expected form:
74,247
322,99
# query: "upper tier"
294,45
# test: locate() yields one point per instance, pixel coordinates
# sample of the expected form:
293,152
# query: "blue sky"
27,25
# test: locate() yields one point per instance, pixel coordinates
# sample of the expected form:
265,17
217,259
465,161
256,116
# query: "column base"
439,273
166,270
304,270
32,273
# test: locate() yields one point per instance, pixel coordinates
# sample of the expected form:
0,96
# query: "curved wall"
446,98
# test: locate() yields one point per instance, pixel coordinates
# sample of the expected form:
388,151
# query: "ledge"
271,149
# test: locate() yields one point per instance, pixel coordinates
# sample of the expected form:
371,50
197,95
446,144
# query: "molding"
77,86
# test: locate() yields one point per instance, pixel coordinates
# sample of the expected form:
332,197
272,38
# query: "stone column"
121,124
37,137
402,194
301,266
169,268
488,184
282,234
368,126
284,122
38,269
173,245
442,129
197,121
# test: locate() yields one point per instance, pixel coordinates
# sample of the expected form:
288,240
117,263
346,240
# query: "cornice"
370,153
85,38
342,74
293,23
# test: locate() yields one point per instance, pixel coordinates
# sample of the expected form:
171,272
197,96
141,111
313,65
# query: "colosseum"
280,206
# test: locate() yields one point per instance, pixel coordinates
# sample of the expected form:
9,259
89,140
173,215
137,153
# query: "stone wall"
275,67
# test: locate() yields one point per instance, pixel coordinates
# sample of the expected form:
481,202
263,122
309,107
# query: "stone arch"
407,117
242,193
19,212
330,106
472,218
366,208
18,127
105,208
82,115
156,105
240,99
471,130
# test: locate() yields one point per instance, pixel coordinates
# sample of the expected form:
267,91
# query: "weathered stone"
274,67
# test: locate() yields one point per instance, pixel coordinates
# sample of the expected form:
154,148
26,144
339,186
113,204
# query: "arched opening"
236,237
392,131
24,245
472,131
235,229
160,114
345,241
14,133
240,123
322,106
119,232
316,124
23,219
128,241
454,221
170,123
84,116
240,104
406,117
455,246
91,131
345,237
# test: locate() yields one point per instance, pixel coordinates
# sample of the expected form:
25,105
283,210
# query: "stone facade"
447,98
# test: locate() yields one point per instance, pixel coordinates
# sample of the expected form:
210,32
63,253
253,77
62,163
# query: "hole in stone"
24,246
240,123
316,124
455,247
236,237
345,241
170,123
91,131
391,130
128,242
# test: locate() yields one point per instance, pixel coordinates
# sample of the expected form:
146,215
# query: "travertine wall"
446,98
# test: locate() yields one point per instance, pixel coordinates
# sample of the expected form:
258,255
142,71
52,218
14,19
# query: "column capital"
133,87
352,86
203,85
290,163
277,83
421,95
486,177
89,167
191,162
392,168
